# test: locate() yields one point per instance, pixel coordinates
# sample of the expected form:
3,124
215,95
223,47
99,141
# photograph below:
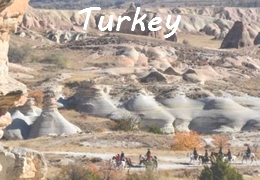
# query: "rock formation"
11,91
95,100
154,76
19,128
22,164
257,39
51,122
237,37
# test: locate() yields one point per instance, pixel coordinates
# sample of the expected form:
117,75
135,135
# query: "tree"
220,170
183,141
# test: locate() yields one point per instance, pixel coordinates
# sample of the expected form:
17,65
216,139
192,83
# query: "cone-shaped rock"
237,37
19,128
150,111
51,121
94,100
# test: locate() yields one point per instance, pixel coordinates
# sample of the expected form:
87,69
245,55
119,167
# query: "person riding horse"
220,152
229,155
195,153
206,155
118,159
122,156
148,155
248,151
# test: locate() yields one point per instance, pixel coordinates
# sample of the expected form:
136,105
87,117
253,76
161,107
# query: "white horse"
192,157
117,165
233,158
246,157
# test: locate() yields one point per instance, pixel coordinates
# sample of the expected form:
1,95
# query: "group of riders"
121,157
229,155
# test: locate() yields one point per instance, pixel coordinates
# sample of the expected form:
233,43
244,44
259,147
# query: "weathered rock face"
237,37
11,91
22,164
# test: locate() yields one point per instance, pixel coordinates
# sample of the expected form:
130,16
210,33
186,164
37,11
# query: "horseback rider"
148,155
195,153
206,155
118,159
122,156
229,155
220,151
248,151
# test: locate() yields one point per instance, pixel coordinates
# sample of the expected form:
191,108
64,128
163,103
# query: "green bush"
128,123
155,129
57,59
220,170
17,54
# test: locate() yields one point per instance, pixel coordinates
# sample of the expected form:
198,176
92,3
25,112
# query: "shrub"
37,95
128,123
220,170
220,140
78,172
185,42
147,175
155,129
186,141
57,59
17,54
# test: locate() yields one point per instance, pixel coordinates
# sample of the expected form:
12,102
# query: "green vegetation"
128,123
155,129
220,170
57,59
17,54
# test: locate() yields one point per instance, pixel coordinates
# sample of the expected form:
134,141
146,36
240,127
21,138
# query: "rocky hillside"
67,25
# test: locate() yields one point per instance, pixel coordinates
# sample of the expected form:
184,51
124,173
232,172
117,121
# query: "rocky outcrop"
51,122
154,76
22,164
11,91
257,39
94,100
237,37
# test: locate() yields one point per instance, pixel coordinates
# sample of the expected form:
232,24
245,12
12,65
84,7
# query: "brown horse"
128,162
203,159
149,164
213,156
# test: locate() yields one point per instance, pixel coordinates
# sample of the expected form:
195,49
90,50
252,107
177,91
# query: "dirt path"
164,162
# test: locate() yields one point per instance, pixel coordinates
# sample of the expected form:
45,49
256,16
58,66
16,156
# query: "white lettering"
88,11
174,27
109,25
120,20
152,25
155,21
138,21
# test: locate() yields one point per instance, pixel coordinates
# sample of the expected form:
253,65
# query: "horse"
149,164
192,157
213,156
203,159
233,158
128,161
117,165
244,155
